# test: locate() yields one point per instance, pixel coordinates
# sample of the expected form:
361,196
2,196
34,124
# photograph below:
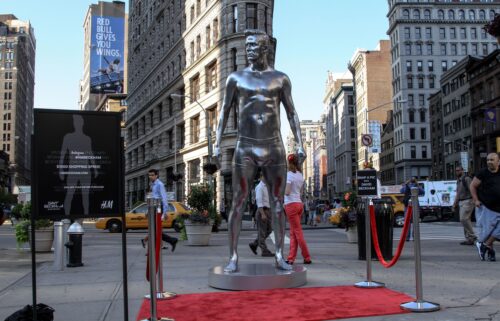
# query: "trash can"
384,219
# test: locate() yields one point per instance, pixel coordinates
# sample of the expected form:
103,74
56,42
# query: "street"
453,275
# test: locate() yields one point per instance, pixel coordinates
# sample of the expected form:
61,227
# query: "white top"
296,180
261,195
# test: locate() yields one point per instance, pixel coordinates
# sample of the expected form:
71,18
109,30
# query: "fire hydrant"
74,245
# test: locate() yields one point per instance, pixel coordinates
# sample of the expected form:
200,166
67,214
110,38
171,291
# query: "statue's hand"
217,157
301,154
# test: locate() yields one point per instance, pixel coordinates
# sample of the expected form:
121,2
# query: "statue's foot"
282,265
231,267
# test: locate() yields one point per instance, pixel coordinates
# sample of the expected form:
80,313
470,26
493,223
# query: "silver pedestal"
254,276
162,295
420,306
369,284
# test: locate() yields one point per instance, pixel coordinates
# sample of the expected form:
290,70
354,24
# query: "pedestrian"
326,211
294,209
485,192
463,202
312,213
406,190
263,218
158,191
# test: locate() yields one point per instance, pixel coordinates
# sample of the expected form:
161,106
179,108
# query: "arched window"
451,14
427,14
472,15
461,14
482,15
440,14
406,14
416,14
492,14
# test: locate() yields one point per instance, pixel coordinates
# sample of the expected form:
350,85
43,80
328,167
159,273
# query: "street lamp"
209,168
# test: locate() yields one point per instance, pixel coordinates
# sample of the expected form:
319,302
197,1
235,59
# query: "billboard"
107,55
77,165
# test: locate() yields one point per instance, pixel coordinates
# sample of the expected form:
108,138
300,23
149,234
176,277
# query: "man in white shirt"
263,217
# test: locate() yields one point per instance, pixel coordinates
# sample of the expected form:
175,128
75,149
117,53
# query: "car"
396,200
137,218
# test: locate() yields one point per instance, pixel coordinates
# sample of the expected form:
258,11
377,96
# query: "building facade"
371,71
484,75
387,176
104,53
17,84
437,148
428,38
187,48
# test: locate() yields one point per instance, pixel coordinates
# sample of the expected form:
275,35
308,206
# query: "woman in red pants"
294,208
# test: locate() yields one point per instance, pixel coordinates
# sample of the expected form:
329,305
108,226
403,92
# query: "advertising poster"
374,129
107,55
77,165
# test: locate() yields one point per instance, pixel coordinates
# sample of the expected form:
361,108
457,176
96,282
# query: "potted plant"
493,27
197,224
44,229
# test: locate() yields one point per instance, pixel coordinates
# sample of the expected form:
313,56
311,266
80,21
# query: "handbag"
43,313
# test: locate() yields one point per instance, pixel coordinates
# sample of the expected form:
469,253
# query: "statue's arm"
293,118
229,96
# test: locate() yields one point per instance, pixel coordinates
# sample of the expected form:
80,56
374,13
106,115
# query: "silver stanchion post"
160,294
419,305
369,283
152,206
58,246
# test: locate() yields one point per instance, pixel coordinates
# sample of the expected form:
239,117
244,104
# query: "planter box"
43,239
198,234
352,234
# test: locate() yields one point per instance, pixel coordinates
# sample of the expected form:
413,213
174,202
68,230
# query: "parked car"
137,218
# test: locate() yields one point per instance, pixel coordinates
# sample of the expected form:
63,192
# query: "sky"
313,37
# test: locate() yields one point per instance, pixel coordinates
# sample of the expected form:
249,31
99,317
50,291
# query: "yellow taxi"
396,200
137,218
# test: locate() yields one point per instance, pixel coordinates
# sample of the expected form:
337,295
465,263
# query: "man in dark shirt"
465,205
485,191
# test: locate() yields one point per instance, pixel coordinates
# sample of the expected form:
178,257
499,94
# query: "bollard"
58,246
74,245
419,305
369,283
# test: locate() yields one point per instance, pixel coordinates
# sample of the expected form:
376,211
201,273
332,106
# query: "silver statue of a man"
258,91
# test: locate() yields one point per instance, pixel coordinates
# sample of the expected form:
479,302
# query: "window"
191,12
444,65
483,34
410,82
423,133
442,33
421,100
424,151
453,49
485,49
235,18
181,132
191,52
407,33
195,129
252,16
422,116
418,49
412,133
430,65
234,63
215,27
461,14
410,100
408,66
453,33
420,82
413,151
406,14
420,66
474,49
170,136
211,76
198,46
212,118
472,15
198,8
427,14
428,33
463,49
473,33
443,49
418,33
431,82
416,14
411,116
208,35
408,50
482,15
195,88
451,14
194,170
441,14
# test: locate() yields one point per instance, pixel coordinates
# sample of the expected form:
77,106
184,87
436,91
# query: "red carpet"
298,304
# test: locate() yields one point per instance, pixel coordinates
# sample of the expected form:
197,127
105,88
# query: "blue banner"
107,55
490,115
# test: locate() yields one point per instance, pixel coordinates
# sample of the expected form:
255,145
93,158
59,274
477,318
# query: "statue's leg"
275,177
243,177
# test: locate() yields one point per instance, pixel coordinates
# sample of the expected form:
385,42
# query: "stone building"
17,84
484,75
187,48
428,38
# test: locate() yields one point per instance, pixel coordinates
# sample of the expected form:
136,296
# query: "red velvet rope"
402,240
157,245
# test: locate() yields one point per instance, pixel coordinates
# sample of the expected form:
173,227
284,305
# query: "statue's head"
256,45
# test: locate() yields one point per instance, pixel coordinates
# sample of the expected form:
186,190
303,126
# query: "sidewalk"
466,288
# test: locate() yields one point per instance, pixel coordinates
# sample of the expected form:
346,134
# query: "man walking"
465,205
485,191
263,218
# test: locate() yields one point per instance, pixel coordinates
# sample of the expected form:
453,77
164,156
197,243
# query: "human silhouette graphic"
80,167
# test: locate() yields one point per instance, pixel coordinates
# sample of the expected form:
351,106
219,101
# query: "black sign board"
77,164
367,182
